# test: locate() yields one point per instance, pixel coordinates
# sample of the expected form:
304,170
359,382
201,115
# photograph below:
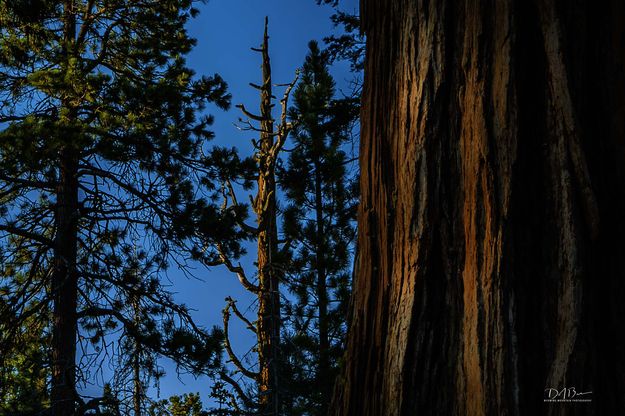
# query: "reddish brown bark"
273,134
268,330
491,223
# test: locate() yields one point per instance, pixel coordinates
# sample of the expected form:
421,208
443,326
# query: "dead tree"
272,136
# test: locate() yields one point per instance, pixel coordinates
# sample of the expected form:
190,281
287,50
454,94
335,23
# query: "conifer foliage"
349,45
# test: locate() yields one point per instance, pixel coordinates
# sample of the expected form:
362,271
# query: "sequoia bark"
491,230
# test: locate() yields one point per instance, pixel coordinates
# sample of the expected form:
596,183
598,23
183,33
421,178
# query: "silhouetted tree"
134,364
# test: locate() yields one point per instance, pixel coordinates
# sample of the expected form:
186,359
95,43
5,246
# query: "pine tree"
318,223
100,142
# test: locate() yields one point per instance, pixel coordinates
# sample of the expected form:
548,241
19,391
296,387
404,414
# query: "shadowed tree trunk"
64,277
491,230
65,290
324,369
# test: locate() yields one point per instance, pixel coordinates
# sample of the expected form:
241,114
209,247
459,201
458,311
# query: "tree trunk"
137,384
65,290
64,282
268,330
323,366
491,232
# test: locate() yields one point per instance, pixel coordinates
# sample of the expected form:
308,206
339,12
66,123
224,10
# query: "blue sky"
225,31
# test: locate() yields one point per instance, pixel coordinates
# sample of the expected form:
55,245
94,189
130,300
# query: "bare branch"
103,51
285,127
232,303
233,357
242,224
238,270
250,115
239,390
86,24
26,234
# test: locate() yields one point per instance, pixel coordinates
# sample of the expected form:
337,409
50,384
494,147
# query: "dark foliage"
103,148
318,223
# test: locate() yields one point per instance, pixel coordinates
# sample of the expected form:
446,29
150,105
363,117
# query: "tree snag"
267,327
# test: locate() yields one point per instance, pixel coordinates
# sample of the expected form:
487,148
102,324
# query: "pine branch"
27,182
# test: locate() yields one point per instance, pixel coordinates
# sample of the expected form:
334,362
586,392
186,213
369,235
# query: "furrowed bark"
490,226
